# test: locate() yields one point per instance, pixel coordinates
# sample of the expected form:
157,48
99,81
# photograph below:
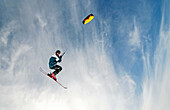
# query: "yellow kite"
88,19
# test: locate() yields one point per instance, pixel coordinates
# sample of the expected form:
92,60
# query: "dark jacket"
54,60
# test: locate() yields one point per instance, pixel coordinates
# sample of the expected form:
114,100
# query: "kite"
88,19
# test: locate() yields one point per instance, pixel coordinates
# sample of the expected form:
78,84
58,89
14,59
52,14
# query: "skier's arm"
60,57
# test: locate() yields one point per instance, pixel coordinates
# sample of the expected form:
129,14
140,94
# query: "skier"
56,58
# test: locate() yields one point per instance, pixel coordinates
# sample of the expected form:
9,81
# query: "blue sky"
119,61
123,18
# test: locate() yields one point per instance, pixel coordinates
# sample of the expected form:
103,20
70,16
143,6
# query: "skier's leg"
52,74
57,69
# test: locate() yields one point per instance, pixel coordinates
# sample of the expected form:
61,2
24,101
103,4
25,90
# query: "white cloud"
41,21
134,35
156,87
16,54
5,32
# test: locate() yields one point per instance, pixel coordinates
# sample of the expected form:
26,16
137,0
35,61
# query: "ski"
52,78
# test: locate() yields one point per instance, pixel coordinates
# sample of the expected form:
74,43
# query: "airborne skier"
56,58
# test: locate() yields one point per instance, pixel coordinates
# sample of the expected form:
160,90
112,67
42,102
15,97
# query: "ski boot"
53,76
49,74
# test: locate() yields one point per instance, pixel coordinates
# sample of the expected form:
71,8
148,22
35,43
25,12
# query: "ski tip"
65,88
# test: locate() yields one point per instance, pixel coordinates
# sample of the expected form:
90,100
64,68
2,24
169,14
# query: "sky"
118,61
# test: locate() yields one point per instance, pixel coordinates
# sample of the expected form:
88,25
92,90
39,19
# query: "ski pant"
57,69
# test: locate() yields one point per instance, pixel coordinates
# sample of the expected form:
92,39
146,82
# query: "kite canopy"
88,19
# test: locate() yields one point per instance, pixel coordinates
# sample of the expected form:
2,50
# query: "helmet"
58,51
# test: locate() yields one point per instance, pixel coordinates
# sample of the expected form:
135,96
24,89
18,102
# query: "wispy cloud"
41,21
16,54
134,35
156,87
6,31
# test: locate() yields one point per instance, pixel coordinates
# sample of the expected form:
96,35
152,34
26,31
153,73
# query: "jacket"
54,60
